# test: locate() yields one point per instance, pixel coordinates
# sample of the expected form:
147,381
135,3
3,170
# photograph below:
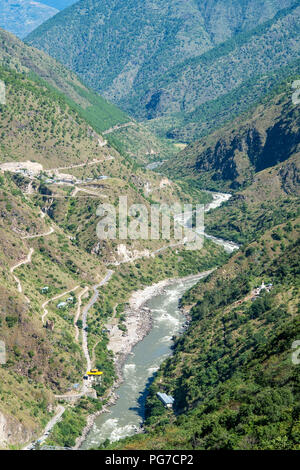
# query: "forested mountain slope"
273,197
22,58
151,71
99,113
232,375
191,126
199,80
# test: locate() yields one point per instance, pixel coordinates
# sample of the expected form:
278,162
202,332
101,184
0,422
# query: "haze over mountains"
166,58
20,17
59,4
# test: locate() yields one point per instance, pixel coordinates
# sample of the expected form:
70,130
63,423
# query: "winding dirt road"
86,387
79,165
53,299
119,126
30,237
49,426
27,260
76,318
85,314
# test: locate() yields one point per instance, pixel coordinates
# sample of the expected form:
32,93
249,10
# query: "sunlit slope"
16,55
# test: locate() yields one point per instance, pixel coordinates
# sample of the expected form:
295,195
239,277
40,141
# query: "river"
218,200
127,415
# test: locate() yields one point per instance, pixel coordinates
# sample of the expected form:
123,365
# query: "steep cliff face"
13,432
233,155
235,159
290,176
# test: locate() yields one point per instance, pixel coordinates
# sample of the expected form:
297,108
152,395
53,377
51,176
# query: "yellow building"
94,373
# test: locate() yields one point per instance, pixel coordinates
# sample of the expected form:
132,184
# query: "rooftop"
166,399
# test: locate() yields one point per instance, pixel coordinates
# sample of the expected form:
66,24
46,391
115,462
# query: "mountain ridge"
100,113
162,31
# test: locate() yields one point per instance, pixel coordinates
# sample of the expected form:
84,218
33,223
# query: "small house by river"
167,400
